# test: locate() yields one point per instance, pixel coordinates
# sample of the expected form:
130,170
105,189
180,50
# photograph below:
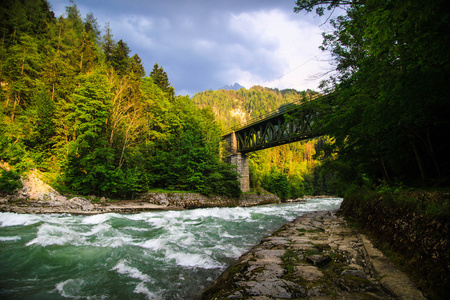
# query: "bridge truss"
294,124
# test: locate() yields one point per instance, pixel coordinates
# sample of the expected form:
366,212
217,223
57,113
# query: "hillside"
236,107
287,170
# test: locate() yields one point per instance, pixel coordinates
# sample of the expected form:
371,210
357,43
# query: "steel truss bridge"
291,123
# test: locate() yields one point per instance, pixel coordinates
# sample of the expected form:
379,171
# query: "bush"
9,181
279,185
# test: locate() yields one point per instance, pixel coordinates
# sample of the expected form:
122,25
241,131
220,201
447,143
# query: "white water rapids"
153,255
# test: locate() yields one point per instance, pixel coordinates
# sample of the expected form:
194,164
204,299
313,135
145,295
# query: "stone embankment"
317,256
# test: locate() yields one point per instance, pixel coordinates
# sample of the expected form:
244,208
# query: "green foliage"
9,181
294,160
88,153
136,66
278,184
119,58
389,109
108,43
161,79
84,111
193,163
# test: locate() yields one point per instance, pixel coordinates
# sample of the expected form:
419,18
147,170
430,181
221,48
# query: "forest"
388,120
76,107
291,170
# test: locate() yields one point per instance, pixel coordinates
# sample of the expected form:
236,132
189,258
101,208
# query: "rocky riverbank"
317,256
155,201
37,197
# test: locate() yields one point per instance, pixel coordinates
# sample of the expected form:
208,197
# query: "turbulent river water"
152,255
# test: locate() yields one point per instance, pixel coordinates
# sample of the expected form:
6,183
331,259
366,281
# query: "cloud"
207,44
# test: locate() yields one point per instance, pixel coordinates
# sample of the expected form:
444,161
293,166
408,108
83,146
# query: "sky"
207,44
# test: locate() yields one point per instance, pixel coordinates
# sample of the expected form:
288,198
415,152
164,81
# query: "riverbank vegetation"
387,117
76,105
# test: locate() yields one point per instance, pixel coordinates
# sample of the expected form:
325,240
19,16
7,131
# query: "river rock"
35,189
274,288
318,260
196,200
79,202
354,273
308,273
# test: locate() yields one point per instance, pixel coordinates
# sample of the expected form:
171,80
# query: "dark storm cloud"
207,44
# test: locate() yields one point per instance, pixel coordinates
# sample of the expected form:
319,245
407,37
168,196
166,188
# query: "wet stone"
355,273
308,273
276,288
269,272
318,260
301,246
275,241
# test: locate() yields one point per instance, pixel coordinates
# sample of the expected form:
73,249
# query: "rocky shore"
317,256
156,201
37,197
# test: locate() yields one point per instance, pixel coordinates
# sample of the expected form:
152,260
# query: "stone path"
317,256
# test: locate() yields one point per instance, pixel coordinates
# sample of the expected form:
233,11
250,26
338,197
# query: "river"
152,255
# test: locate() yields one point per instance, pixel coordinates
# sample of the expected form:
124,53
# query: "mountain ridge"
236,86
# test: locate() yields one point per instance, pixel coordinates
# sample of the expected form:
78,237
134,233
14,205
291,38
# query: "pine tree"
90,160
91,27
74,17
136,66
86,53
108,44
160,78
120,59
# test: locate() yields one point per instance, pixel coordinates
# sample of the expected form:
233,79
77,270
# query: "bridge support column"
240,160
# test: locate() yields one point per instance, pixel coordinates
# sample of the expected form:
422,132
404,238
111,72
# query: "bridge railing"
291,106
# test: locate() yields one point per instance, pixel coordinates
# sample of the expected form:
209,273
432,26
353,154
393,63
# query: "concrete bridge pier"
240,160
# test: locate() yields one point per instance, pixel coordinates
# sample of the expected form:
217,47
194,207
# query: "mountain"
234,87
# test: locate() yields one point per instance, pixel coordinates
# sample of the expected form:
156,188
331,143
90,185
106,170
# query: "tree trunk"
418,160
386,174
430,150
23,61
4,166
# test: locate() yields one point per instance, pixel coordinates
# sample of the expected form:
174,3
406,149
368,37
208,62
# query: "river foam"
152,255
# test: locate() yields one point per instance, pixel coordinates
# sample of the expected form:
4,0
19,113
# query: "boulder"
80,203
